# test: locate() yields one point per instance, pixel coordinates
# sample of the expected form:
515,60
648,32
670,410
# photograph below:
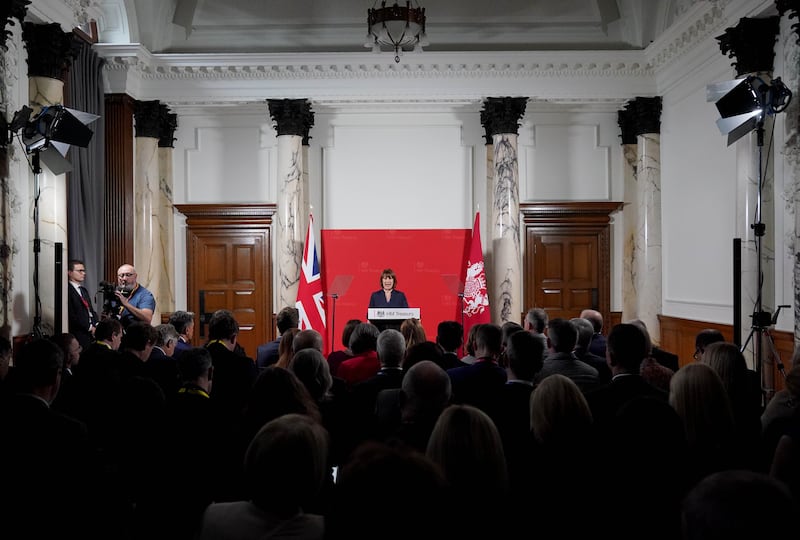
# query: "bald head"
594,317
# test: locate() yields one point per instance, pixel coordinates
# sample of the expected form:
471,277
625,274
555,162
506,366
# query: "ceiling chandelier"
398,27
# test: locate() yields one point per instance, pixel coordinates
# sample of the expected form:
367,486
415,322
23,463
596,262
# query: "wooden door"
228,264
567,257
567,273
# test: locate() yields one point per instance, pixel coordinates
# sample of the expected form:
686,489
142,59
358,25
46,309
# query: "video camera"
111,303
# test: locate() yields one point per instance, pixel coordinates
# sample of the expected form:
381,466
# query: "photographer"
135,302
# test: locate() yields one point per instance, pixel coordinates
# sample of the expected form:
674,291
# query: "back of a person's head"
469,346
288,317
391,347
166,334
793,381
278,391
739,505
585,332
639,323
37,364
222,325
388,492
698,396
138,336
562,335
706,337
181,320
412,331
627,347
450,335
489,339
467,447
508,329
426,350
310,366
286,345
364,338
525,355
307,339
594,317
729,363
426,389
537,319
347,331
107,328
286,464
559,412
193,364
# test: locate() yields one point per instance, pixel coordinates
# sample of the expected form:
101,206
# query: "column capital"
645,115
50,50
626,120
291,117
13,9
752,42
168,122
793,7
148,118
502,115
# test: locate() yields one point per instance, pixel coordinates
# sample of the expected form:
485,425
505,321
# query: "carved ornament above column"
752,43
793,7
644,113
50,50
148,118
502,115
11,9
166,129
626,120
292,117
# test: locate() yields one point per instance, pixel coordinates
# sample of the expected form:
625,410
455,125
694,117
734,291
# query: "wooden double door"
567,257
228,265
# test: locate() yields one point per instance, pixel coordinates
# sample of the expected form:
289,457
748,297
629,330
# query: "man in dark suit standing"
82,317
267,353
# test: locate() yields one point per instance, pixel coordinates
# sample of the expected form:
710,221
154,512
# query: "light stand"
333,297
36,167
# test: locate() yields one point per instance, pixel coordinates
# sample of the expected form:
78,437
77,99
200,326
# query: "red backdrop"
429,264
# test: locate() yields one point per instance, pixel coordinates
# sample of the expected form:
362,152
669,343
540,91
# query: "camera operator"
136,302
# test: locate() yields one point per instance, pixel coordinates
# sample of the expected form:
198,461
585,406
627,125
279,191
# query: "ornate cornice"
9,10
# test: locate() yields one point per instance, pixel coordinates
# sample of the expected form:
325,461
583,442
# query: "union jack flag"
310,300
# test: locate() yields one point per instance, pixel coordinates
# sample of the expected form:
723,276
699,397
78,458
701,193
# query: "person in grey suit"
562,336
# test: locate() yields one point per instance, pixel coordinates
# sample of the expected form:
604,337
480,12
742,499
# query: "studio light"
744,103
398,27
50,133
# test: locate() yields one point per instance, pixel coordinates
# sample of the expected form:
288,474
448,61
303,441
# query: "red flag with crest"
476,295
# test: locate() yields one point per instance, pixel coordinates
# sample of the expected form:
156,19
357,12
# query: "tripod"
762,320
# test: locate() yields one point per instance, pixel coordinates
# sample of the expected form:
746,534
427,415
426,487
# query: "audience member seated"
413,332
285,470
450,337
467,448
67,392
365,363
5,361
424,394
427,350
267,353
337,357
536,323
390,493
480,384
161,366
307,339
699,397
508,329
598,344
739,504
785,464
651,369
627,347
777,415
743,386
562,336
183,321
286,348
703,339
581,351
469,345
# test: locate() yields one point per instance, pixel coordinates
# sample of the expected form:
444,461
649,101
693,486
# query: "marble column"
166,293
790,38
501,117
293,118
647,239
50,54
752,43
148,251
13,166
630,214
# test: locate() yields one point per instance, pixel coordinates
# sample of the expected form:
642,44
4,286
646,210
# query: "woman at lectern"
388,296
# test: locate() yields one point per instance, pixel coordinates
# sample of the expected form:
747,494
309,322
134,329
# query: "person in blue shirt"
136,302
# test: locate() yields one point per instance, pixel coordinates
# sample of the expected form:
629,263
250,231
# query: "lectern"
385,318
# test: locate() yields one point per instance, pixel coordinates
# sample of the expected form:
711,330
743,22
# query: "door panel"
567,265
229,267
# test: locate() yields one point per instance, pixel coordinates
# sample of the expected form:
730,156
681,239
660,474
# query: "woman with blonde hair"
413,332
285,351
